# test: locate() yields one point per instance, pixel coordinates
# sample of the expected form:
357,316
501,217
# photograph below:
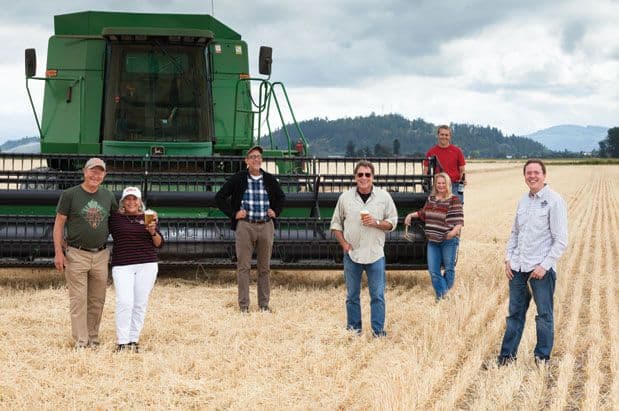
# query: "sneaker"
94,344
355,331
379,334
541,362
244,310
265,309
135,347
80,346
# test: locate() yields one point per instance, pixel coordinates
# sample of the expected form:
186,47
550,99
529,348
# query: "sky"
517,65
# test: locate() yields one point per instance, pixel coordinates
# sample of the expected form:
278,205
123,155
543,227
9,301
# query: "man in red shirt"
450,159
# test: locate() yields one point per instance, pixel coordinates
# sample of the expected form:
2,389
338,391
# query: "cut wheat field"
200,353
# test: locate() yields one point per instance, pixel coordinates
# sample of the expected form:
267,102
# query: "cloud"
513,64
573,34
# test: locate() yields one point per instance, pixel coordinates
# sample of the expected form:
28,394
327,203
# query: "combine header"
167,101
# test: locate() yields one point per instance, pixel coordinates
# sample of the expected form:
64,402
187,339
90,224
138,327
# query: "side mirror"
31,62
265,60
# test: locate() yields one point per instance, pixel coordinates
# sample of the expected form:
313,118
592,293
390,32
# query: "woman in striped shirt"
134,265
444,217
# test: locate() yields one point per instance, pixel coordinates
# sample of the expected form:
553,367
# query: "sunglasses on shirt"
368,175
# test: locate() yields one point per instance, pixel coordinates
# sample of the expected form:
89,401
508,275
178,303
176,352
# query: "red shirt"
450,159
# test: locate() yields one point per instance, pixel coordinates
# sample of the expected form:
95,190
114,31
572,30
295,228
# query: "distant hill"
364,135
26,148
570,137
22,145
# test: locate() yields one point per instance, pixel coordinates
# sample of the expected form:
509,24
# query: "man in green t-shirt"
81,252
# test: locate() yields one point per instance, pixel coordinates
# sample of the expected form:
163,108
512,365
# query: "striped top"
441,216
133,244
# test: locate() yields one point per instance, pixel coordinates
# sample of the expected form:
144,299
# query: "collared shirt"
255,199
367,242
539,233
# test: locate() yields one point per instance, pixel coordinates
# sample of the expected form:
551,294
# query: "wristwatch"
377,223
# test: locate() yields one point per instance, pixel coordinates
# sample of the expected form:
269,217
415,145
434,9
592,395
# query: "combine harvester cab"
168,103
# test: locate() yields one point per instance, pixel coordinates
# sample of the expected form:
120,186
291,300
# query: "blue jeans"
519,299
376,284
442,254
454,191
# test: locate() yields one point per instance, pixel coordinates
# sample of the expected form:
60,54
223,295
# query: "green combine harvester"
167,101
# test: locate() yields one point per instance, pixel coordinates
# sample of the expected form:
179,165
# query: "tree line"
609,147
394,135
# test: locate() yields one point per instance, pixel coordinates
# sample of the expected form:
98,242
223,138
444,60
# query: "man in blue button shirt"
538,238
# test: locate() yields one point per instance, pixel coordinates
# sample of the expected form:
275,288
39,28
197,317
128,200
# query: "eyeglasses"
254,156
367,175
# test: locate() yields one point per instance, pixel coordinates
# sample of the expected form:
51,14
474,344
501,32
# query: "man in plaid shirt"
252,198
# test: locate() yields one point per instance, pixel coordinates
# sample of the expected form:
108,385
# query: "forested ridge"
390,134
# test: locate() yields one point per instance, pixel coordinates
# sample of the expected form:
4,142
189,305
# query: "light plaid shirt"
367,242
255,199
539,233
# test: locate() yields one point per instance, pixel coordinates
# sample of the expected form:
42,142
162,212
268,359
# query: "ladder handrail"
267,92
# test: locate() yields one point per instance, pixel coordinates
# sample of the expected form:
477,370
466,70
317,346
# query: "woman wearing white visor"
134,265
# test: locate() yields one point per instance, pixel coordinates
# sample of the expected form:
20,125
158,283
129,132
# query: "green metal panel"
163,212
70,148
73,124
182,212
144,148
93,22
27,210
156,31
73,53
228,60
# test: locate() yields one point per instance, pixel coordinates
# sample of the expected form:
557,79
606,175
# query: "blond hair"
447,183
121,206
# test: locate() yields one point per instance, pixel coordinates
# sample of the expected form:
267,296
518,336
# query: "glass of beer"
149,217
363,214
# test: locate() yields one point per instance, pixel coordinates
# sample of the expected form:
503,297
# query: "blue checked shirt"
539,233
255,199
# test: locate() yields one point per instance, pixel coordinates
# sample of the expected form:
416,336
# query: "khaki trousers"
252,237
86,276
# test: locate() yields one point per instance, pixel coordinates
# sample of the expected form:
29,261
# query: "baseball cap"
95,162
254,148
131,191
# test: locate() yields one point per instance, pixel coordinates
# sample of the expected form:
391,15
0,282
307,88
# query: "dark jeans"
519,298
454,191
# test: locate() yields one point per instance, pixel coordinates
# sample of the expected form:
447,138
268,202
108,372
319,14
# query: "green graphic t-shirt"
87,215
